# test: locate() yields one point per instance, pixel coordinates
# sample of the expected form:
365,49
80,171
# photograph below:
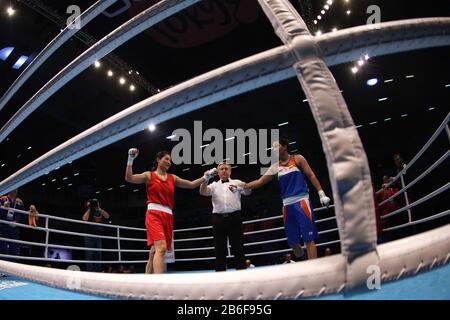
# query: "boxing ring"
306,57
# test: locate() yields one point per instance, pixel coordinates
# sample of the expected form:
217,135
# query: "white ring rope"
193,229
50,217
71,261
434,217
59,246
429,196
247,254
416,203
444,125
328,231
61,231
249,233
436,192
326,219
231,80
264,242
45,216
21,225
118,250
420,177
260,231
229,285
193,239
261,220
316,276
92,12
259,253
178,260
195,249
198,259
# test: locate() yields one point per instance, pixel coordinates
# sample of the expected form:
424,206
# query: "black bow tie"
225,181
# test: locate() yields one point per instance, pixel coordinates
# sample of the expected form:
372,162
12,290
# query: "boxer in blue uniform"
299,220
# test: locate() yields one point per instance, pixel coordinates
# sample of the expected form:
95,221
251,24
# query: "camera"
93,204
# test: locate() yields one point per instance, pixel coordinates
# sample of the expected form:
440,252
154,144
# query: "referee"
226,217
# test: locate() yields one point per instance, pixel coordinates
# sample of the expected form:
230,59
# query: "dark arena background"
397,102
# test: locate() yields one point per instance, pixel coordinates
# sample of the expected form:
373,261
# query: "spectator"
33,217
399,163
248,264
249,227
109,269
10,202
96,215
385,193
378,222
408,196
327,252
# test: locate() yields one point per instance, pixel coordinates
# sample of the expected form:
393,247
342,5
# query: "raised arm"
246,192
86,215
264,179
19,217
135,178
138,178
187,184
104,213
240,187
205,189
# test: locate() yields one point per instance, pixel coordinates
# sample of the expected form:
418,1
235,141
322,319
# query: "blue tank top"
291,179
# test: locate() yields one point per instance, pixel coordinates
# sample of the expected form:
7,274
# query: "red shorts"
159,226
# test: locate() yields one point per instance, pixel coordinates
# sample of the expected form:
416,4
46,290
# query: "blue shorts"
299,222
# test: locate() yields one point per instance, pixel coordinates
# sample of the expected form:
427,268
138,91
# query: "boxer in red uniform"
160,187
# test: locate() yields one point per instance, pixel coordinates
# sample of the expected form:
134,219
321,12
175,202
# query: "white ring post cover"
347,161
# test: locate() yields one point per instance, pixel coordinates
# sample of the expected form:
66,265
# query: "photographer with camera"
94,214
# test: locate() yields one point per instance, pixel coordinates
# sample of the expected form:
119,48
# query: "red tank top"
160,191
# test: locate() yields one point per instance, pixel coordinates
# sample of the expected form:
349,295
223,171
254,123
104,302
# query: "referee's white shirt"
223,199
